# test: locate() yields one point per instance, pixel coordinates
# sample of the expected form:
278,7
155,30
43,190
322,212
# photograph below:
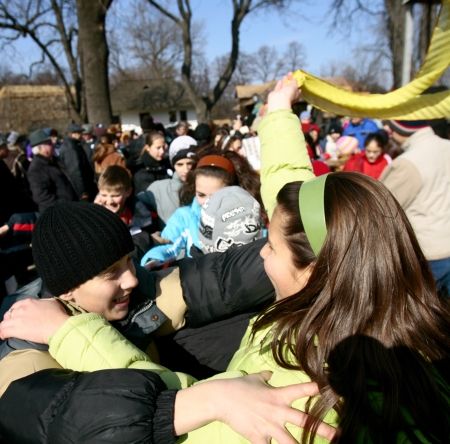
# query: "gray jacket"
163,195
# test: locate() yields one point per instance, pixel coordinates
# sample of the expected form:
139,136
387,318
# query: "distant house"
24,108
166,101
250,94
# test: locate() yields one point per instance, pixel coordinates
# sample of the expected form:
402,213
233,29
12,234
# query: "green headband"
312,211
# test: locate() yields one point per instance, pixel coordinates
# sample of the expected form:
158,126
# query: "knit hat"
180,147
346,145
231,216
75,241
406,128
38,137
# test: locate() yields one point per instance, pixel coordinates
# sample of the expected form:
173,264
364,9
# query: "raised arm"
284,157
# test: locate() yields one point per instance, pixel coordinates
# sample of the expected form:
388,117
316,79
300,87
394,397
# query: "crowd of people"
329,267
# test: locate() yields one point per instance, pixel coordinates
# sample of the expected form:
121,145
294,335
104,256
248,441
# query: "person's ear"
68,297
127,193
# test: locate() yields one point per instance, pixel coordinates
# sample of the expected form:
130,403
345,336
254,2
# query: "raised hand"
285,93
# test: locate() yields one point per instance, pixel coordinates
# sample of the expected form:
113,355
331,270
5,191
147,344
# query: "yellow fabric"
404,103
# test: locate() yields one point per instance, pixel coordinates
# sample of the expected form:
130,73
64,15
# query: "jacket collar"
419,135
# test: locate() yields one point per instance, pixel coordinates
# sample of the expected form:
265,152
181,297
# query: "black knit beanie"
75,241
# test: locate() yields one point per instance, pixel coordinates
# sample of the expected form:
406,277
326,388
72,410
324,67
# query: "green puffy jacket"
87,342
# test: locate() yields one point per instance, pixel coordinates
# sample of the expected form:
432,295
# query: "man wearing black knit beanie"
82,253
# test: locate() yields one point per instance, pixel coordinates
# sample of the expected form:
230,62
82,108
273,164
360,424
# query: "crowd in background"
158,180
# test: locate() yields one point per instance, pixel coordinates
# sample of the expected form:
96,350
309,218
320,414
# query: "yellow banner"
403,103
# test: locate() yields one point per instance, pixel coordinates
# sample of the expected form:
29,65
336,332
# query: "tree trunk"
427,19
202,111
94,58
395,26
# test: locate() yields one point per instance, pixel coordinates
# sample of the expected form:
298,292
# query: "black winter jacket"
78,167
107,406
150,171
222,292
49,183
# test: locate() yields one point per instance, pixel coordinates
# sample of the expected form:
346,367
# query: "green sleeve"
87,342
284,157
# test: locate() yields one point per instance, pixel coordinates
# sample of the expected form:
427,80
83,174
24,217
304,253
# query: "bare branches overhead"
183,18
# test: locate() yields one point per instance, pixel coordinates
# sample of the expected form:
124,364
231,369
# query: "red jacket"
359,163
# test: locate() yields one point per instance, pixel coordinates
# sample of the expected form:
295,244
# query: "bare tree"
294,56
266,63
389,18
366,74
183,19
152,46
51,26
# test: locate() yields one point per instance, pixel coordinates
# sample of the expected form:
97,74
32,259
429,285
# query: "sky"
308,22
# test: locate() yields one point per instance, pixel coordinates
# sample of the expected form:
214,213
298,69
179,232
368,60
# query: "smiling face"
108,293
157,149
279,262
206,186
113,200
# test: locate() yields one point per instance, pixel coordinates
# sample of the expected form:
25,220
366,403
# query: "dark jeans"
441,272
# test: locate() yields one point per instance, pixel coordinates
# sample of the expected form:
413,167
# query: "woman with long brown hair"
357,308
105,154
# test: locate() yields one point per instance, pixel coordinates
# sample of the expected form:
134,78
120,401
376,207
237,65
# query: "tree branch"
164,12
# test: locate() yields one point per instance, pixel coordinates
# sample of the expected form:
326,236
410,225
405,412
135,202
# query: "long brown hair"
371,279
101,151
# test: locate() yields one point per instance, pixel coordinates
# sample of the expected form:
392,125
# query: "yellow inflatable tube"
403,103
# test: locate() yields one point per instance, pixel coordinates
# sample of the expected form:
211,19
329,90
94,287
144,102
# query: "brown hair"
370,279
230,141
187,191
247,177
115,178
101,151
150,138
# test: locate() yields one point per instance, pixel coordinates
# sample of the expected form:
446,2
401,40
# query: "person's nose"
128,279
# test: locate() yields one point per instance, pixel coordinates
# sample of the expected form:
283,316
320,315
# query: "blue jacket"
182,230
361,131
